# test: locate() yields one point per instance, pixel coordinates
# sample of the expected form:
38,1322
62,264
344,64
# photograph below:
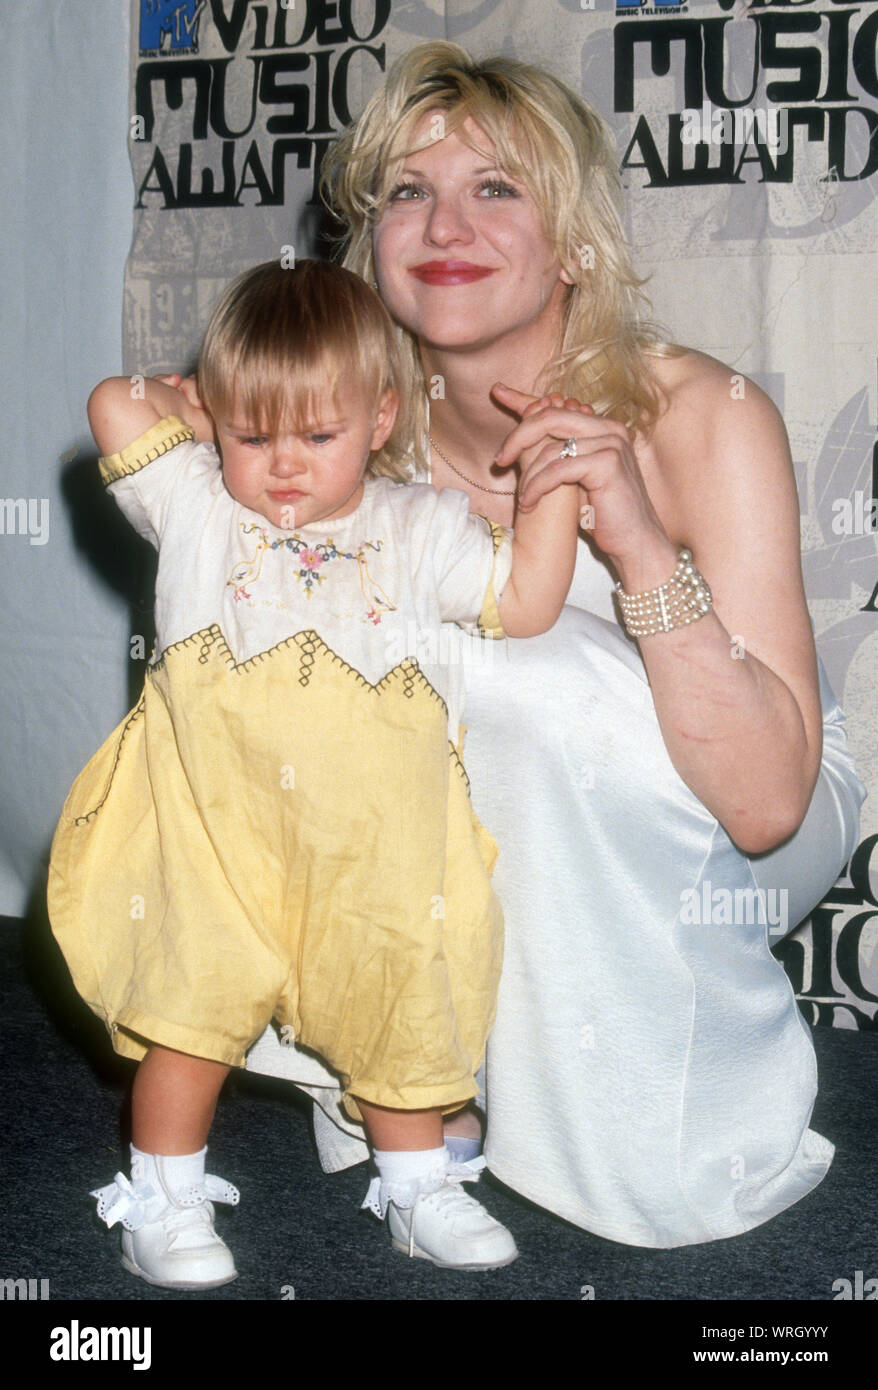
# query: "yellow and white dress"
281,829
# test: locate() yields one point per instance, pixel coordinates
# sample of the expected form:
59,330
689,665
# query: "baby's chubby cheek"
238,480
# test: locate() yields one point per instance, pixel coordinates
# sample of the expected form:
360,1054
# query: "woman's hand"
616,508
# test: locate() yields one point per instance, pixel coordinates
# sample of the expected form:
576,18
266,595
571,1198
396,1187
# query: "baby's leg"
166,1210
416,1129
174,1100
402,1129
419,1192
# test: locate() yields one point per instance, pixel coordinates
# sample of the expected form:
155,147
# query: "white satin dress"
649,1076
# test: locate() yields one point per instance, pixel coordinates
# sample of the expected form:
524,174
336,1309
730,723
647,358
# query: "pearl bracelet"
682,599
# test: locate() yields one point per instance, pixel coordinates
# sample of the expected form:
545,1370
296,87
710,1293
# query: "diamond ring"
569,450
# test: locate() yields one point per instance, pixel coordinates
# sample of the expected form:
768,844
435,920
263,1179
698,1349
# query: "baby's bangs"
271,394
285,343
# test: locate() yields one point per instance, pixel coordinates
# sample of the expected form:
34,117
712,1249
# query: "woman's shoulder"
696,385
699,381
718,442
711,416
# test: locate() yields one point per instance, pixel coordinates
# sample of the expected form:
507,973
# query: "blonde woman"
671,742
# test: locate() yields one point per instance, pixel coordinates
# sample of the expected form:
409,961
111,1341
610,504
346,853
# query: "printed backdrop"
748,144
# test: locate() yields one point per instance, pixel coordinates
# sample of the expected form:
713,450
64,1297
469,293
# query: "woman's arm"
736,692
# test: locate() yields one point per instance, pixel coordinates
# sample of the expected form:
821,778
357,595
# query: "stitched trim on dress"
498,532
457,761
208,637
135,713
488,624
159,439
309,643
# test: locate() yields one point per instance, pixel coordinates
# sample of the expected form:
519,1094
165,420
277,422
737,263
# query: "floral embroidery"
311,561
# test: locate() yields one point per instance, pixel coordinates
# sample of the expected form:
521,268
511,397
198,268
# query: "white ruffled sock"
159,1183
405,1174
180,1174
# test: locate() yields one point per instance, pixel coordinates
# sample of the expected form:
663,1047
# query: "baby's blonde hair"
562,151
281,342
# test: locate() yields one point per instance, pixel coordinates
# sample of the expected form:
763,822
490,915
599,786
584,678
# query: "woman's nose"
447,221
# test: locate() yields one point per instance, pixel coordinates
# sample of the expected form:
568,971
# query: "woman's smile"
450,272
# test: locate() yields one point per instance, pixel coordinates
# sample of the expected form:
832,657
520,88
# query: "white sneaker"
169,1239
180,1251
452,1230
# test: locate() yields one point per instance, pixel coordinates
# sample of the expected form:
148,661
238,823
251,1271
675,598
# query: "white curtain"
65,232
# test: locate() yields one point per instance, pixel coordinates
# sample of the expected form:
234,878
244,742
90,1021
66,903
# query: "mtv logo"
629,6
170,25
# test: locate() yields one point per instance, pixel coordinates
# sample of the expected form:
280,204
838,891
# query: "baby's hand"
192,411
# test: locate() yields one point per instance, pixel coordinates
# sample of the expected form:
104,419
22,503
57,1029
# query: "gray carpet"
299,1230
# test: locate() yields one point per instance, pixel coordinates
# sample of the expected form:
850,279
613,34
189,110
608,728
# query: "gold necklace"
497,491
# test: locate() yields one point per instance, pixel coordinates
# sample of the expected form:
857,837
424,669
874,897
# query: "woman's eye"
255,440
498,188
321,438
406,193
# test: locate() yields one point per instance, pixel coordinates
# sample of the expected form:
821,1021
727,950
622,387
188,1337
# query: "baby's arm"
543,558
123,408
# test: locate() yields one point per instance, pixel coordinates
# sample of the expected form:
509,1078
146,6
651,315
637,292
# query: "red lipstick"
449,272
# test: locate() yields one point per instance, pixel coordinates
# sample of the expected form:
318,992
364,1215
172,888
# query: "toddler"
281,829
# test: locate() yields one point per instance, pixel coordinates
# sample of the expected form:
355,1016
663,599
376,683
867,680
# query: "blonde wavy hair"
563,152
283,342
